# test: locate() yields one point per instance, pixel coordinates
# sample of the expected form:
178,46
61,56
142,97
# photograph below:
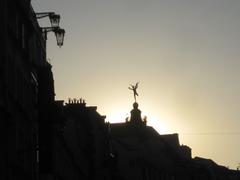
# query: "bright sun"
117,116
120,116
158,125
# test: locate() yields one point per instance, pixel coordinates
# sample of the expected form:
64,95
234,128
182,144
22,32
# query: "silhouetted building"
79,147
22,52
44,139
46,106
142,153
212,171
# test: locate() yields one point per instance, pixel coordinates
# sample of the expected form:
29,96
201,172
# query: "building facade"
142,153
23,51
78,145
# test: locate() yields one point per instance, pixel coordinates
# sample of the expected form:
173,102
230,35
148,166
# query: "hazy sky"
184,53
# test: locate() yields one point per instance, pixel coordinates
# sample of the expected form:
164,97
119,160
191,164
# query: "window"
10,74
23,36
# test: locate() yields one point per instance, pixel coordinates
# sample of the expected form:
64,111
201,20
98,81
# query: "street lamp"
59,33
54,20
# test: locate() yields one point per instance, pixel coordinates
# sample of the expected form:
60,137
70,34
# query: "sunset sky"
184,53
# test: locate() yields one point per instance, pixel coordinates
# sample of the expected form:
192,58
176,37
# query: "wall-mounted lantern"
54,20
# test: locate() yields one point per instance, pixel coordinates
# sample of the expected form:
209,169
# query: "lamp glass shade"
60,36
54,19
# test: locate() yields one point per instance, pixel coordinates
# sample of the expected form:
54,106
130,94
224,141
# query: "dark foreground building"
23,52
79,146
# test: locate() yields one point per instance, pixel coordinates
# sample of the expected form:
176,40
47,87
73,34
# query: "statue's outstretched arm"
136,86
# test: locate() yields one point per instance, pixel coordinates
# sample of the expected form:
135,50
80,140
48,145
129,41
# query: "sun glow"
117,116
159,124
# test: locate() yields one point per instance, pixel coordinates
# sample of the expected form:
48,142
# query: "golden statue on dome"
134,89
